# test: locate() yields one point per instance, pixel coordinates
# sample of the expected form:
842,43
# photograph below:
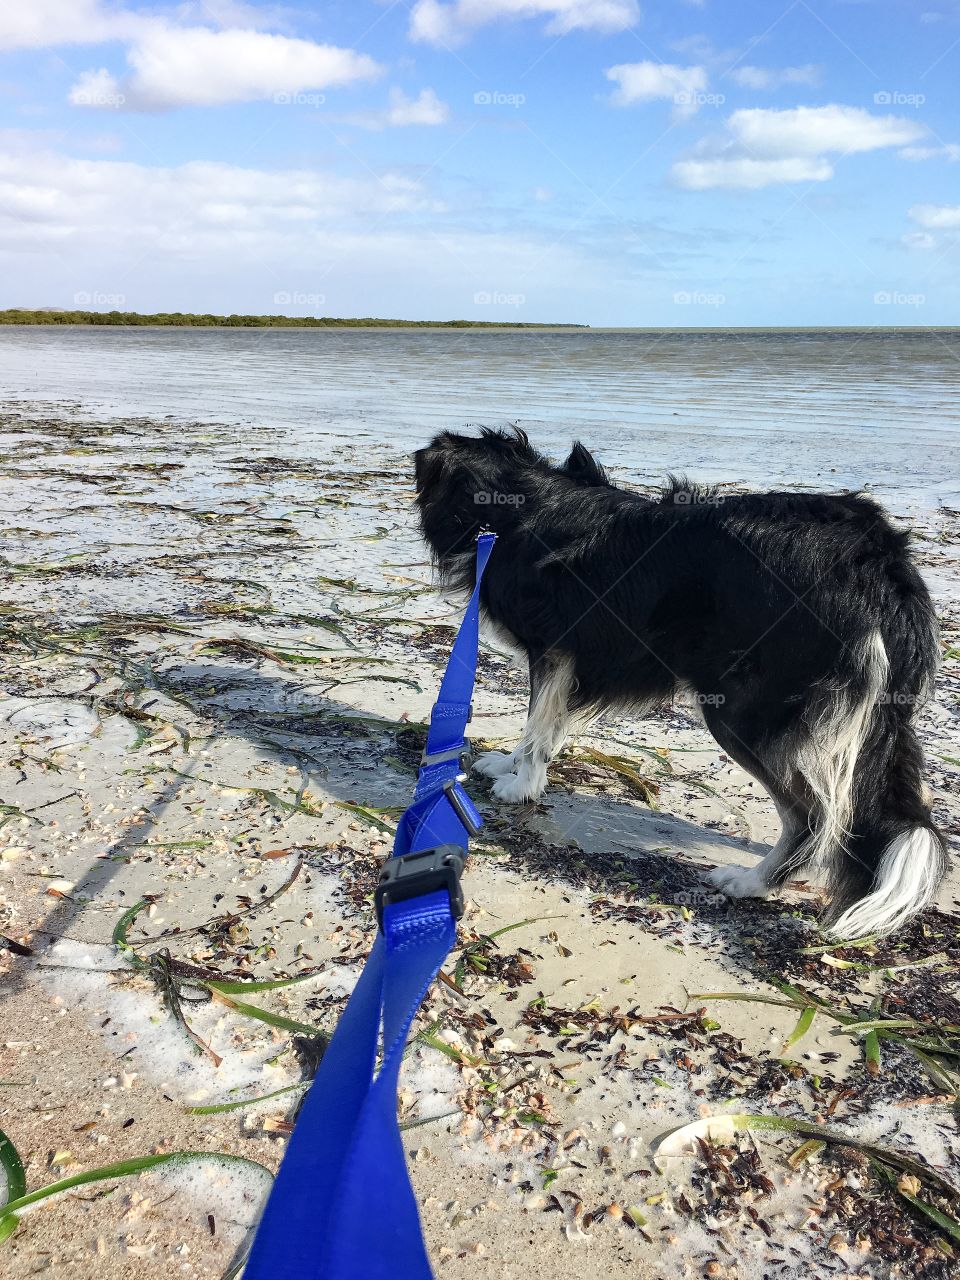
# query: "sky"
602,162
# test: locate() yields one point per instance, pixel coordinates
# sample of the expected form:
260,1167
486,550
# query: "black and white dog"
797,621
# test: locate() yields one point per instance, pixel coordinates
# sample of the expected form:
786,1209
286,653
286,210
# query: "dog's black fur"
767,606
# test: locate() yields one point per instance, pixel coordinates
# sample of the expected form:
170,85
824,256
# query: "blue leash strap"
341,1206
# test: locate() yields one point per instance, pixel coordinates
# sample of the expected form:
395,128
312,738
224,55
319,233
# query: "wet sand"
218,653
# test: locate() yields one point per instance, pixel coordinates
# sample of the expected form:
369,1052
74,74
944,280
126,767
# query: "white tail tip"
907,881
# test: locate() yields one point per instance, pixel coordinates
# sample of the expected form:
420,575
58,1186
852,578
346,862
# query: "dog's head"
497,481
469,483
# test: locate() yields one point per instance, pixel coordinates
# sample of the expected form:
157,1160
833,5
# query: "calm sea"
837,409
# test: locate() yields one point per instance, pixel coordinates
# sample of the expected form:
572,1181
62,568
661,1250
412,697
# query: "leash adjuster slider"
411,875
463,756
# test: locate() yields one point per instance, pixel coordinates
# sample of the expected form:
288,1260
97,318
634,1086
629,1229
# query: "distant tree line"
185,319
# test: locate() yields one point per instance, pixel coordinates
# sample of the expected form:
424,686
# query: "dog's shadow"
606,824
613,846
634,861
354,756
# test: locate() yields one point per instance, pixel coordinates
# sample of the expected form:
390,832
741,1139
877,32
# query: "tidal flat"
219,647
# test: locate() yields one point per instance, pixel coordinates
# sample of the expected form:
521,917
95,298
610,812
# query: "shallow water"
831,409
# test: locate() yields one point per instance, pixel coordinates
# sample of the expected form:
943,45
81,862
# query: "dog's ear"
583,467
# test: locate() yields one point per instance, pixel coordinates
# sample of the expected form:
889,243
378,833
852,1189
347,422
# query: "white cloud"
702,49
42,23
647,81
195,66
96,89
232,13
807,131
184,210
776,77
749,173
175,65
940,223
949,151
204,236
920,240
762,147
936,217
426,108
450,23
48,23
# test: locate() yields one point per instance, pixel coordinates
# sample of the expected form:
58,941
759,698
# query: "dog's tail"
861,767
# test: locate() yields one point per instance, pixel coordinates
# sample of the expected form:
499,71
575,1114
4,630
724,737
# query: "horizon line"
27,316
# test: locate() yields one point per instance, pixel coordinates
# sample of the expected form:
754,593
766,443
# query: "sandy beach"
217,657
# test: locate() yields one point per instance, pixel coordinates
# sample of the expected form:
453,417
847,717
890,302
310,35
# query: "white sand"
113,807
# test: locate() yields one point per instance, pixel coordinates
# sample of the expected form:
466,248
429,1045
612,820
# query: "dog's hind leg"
522,775
732,729
854,757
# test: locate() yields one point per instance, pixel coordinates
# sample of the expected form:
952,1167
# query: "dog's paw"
739,882
514,789
494,764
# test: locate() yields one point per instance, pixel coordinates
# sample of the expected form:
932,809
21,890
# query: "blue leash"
342,1207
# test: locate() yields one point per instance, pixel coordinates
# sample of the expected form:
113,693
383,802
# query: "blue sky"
607,162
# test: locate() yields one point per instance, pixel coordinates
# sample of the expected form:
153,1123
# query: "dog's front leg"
773,869
522,775
496,764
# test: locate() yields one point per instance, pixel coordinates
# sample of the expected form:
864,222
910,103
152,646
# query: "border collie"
797,621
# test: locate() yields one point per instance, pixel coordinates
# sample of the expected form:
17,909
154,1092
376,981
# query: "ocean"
833,409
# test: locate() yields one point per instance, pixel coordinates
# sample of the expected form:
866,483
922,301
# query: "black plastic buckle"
411,875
